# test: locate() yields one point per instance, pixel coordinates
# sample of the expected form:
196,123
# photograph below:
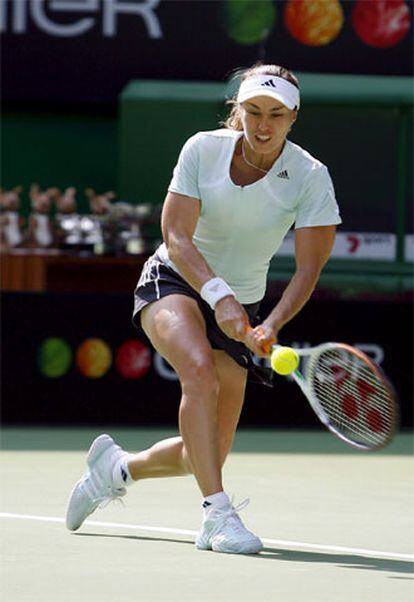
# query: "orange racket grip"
266,348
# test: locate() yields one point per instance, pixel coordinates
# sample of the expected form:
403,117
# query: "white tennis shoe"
223,531
95,488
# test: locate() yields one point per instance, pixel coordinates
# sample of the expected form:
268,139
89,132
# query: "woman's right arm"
178,222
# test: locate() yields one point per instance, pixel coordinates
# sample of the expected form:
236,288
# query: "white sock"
121,477
214,501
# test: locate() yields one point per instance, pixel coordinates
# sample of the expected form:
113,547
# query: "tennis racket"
350,394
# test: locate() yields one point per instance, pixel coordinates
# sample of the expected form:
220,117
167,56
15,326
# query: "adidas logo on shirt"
283,174
269,82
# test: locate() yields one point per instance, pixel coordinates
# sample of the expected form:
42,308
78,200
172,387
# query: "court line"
295,545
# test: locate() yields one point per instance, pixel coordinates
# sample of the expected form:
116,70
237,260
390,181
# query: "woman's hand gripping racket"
348,392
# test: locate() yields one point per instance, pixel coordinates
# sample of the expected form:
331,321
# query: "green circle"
248,22
55,357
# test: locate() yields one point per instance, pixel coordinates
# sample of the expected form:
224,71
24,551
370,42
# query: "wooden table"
56,271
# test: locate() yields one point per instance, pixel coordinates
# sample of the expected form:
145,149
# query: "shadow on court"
268,553
341,560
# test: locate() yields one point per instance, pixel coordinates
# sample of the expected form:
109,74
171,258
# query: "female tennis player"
234,195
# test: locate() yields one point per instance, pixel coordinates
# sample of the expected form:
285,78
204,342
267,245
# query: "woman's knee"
200,377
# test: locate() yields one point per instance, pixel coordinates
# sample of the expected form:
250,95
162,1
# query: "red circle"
350,406
381,24
133,359
375,420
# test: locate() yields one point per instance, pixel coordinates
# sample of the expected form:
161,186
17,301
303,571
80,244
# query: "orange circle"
314,22
93,358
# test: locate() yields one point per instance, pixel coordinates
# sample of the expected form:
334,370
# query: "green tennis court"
337,524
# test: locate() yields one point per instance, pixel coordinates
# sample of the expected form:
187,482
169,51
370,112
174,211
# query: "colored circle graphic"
54,357
314,22
381,23
133,359
93,358
248,22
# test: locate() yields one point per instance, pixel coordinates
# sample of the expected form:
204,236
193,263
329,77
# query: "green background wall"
360,126
59,148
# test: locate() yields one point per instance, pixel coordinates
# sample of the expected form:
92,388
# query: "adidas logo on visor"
270,83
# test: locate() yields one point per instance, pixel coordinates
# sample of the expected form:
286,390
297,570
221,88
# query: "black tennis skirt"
157,280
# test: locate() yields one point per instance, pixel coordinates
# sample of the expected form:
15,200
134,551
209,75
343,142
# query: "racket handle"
266,348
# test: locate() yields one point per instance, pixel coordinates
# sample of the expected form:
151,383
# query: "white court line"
296,545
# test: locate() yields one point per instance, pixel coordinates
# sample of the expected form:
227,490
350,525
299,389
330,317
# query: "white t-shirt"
240,228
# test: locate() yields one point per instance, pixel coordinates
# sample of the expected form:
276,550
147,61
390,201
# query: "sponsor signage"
409,247
75,18
379,246
87,50
65,362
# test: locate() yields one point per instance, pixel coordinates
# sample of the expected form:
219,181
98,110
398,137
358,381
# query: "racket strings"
353,397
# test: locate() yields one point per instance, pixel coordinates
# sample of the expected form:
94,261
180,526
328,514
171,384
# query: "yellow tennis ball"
284,360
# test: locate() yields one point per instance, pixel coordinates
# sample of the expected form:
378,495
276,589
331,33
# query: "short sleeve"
317,205
185,176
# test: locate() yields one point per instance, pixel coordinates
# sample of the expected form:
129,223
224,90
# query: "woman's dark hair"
233,121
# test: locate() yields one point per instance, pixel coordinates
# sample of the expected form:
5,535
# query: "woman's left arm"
313,247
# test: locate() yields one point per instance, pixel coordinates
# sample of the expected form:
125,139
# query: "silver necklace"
248,162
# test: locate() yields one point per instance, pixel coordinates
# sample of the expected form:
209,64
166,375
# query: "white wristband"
214,290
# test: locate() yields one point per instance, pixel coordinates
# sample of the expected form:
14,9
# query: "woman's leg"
169,458
212,395
232,389
207,431
176,329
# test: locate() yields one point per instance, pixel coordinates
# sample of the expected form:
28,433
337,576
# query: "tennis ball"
284,360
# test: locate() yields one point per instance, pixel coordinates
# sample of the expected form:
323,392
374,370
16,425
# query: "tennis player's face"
266,123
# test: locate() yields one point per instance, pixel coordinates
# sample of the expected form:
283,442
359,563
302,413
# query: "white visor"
270,85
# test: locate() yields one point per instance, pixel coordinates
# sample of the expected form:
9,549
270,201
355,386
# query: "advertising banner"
87,50
354,245
76,359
